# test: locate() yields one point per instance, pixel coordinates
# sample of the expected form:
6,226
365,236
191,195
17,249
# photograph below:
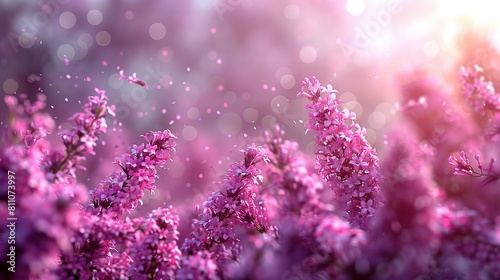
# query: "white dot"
292,11
103,38
431,48
287,81
355,7
67,20
94,17
10,86
65,51
189,133
157,31
26,40
308,54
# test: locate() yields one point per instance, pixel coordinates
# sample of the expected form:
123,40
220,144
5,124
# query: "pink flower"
233,205
344,158
123,190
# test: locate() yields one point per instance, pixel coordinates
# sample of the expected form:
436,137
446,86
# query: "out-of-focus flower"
472,237
480,93
406,232
199,266
46,214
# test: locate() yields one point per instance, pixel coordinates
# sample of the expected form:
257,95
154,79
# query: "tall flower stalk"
233,205
343,156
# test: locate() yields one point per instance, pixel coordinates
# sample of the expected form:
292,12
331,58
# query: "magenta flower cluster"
344,157
278,213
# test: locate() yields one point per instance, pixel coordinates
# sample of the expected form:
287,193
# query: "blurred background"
218,73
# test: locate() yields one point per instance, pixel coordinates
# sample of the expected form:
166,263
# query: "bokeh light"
220,73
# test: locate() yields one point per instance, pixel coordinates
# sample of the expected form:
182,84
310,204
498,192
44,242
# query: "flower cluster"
272,216
295,187
472,237
45,213
79,139
480,93
464,168
231,206
155,255
344,157
124,189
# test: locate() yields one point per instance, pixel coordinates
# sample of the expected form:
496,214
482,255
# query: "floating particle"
200,175
224,105
209,111
88,79
66,99
132,79
104,63
188,69
219,61
68,76
376,77
220,87
187,88
213,30
265,86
